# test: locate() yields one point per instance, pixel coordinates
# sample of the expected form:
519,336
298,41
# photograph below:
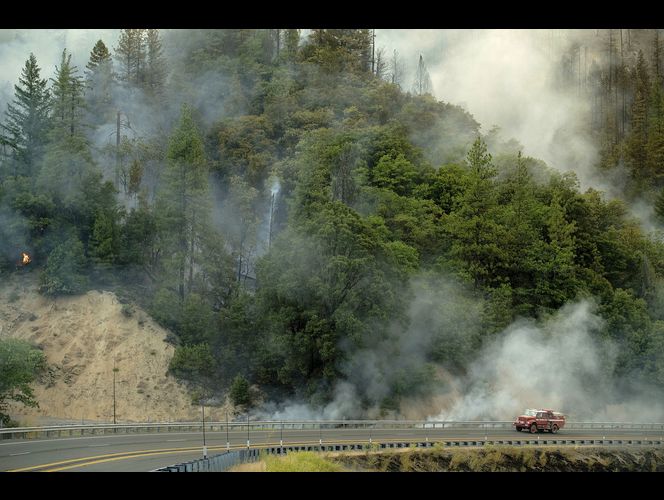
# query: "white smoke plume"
343,406
560,364
441,314
555,365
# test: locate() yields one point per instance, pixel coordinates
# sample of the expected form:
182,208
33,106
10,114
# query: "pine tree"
341,49
99,83
124,55
291,43
657,59
396,69
64,273
637,151
98,57
131,56
560,282
380,64
24,131
522,233
422,84
67,168
183,200
104,245
67,92
659,206
655,158
242,236
155,69
473,226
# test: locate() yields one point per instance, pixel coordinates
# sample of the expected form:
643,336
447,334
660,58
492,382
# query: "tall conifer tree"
24,132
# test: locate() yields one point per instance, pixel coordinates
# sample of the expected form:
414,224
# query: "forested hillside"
317,228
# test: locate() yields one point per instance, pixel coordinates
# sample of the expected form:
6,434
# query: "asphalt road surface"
146,452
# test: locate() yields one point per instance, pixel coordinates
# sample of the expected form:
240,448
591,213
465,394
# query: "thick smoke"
512,79
343,406
506,78
442,315
561,363
558,365
13,235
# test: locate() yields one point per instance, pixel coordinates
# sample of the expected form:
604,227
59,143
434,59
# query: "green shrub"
20,364
192,361
240,392
64,271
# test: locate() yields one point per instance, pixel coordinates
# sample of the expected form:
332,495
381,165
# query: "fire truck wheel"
533,429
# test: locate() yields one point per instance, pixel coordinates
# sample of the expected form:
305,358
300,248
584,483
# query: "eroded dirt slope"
83,338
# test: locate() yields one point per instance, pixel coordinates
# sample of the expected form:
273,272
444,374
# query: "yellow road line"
117,458
126,454
140,453
148,453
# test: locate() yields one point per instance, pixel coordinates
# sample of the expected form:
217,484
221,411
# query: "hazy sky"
504,78
47,45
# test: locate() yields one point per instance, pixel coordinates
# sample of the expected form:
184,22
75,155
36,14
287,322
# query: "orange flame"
25,259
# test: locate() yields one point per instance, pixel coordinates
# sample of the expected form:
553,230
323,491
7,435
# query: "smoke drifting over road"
557,364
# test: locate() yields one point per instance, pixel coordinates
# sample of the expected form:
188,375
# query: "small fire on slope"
25,260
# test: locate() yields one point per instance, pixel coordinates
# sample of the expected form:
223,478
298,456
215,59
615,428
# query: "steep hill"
83,337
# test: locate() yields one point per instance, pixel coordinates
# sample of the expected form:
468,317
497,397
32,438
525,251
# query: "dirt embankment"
508,459
84,337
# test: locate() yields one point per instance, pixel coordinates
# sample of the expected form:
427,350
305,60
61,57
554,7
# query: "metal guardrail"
229,459
165,427
216,463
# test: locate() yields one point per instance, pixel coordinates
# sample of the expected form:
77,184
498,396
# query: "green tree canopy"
20,363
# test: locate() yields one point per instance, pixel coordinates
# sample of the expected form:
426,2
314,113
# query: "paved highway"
146,452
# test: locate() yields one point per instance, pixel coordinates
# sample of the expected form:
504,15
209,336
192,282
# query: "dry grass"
251,467
304,461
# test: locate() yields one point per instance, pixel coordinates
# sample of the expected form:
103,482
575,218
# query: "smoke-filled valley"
337,223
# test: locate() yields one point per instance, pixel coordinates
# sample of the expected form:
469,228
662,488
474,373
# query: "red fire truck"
539,421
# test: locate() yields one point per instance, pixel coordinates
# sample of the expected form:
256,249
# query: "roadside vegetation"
508,459
486,459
